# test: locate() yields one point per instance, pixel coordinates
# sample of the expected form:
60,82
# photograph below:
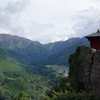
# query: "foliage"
64,91
74,62
67,95
22,96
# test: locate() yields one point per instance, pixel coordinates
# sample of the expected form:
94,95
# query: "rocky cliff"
89,69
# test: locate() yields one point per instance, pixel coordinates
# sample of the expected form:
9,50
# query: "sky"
49,20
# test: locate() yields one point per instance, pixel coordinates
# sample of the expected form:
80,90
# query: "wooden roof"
97,34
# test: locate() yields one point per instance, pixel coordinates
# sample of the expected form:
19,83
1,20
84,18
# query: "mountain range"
32,52
67,47
23,50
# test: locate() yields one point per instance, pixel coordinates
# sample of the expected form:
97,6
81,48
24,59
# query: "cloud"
86,21
7,19
44,32
10,21
17,5
9,15
32,30
48,20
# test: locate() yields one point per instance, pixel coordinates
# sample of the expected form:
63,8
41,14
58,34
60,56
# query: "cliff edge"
86,68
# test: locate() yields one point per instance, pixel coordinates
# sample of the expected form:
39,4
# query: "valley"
32,67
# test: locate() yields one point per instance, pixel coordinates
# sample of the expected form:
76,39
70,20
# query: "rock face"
89,69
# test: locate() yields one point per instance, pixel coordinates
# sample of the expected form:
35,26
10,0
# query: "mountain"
58,46
30,52
23,50
61,58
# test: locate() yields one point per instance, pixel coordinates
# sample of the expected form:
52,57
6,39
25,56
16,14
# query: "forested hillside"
61,57
15,78
32,52
23,50
60,45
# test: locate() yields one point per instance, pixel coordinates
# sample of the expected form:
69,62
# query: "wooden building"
94,39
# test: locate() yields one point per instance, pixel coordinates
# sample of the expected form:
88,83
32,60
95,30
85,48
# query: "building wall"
95,43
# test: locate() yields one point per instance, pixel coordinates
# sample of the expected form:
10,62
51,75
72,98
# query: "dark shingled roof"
97,34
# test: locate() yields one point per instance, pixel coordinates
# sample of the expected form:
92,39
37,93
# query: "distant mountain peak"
6,37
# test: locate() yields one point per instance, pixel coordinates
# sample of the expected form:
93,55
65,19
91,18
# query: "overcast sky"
49,20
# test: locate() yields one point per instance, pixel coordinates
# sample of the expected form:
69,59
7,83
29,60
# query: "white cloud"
9,15
17,5
87,21
10,23
31,30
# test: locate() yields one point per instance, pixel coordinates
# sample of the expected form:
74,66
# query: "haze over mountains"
31,52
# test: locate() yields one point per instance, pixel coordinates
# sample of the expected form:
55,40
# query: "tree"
22,96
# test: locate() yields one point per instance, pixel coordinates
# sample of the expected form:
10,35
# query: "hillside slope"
15,78
60,45
23,50
61,58
10,71
30,52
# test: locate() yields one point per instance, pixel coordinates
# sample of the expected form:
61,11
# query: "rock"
89,69
95,73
